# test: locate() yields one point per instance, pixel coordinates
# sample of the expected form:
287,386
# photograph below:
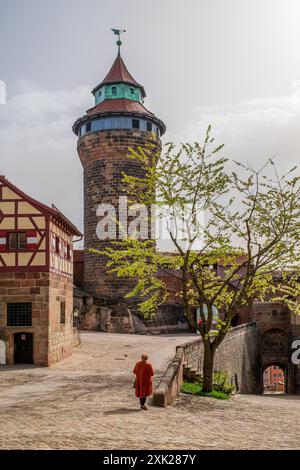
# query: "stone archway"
274,350
274,378
2,352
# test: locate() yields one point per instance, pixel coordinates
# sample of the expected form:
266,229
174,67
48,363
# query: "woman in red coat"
144,373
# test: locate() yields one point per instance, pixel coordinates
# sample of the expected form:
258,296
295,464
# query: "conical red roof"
119,105
119,73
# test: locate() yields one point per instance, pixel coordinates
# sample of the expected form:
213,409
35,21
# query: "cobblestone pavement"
87,402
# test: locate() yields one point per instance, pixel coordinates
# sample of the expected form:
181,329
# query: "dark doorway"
23,348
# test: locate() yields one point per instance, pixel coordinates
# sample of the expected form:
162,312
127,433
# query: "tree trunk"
190,317
208,368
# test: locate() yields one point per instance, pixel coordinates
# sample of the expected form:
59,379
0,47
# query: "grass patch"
195,388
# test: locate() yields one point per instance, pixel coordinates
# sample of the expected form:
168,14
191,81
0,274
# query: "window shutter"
2,241
32,241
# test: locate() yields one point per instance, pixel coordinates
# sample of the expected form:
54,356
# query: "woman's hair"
145,356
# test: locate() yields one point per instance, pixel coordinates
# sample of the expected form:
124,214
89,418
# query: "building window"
99,93
135,123
63,313
57,245
132,91
19,314
114,90
75,318
68,252
88,127
149,127
17,241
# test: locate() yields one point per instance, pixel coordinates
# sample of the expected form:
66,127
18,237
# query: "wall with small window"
118,91
22,232
19,314
61,250
62,313
22,248
119,122
62,334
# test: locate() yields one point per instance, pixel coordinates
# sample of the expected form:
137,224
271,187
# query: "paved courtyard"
87,402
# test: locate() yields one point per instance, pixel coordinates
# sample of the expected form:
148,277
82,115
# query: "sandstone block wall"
62,336
238,355
26,287
51,341
104,156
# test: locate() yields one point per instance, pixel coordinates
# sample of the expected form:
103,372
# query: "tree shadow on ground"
122,411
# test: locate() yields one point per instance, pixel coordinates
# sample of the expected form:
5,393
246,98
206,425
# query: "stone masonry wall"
276,332
104,156
62,336
51,341
237,355
26,287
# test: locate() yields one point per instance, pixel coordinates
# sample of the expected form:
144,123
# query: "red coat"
143,384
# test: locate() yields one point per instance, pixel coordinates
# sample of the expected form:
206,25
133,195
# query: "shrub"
195,388
222,383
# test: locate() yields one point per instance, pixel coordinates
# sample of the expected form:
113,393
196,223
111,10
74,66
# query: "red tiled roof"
119,73
115,105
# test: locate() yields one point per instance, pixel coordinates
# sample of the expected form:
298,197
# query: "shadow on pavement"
122,411
16,367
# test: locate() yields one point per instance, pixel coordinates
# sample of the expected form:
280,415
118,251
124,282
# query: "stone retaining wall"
237,356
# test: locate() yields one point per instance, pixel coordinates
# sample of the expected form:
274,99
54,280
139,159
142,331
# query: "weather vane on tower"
118,32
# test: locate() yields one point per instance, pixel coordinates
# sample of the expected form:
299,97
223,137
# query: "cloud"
38,148
253,130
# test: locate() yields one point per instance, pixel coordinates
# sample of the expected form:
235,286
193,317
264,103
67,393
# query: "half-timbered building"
37,323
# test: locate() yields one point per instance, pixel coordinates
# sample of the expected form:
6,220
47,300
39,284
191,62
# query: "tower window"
99,93
132,91
149,127
135,123
88,127
114,90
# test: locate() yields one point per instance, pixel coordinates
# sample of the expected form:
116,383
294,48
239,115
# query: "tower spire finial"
118,32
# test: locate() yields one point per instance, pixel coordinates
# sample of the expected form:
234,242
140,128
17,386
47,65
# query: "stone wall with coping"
237,356
169,386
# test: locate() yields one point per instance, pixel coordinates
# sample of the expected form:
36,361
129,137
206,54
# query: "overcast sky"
234,64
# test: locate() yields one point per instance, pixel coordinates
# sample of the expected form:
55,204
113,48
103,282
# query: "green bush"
222,383
195,388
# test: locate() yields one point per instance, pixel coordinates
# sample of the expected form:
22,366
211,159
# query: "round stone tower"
118,121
